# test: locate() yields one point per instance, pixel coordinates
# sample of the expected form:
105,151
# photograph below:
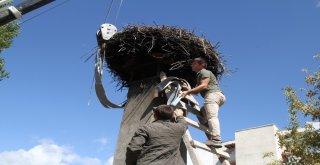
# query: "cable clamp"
4,2
15,12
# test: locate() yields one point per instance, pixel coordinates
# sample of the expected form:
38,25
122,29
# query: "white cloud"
102,142
109,161
47,152
207,158
318,4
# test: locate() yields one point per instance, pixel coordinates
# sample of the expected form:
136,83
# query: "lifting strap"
98,71
175,82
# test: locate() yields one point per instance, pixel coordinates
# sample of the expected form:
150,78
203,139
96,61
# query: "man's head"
198,64
163,112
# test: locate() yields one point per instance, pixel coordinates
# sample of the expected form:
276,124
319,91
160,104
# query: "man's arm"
135,146
203,85
180,119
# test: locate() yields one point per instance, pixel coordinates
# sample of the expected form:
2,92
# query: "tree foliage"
302,145
7,33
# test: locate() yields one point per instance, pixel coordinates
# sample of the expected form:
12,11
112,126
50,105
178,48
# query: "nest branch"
139,52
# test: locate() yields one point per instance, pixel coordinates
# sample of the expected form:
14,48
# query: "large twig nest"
140,52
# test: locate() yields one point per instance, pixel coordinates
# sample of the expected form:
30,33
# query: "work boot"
214,143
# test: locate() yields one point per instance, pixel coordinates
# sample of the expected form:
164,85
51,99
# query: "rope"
115,22
109,10
45,11
90,94
93,51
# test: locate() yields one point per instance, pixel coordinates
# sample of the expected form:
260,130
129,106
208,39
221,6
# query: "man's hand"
203,85
184,93
178,112
184,86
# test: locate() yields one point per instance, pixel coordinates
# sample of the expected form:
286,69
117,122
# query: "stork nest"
140,52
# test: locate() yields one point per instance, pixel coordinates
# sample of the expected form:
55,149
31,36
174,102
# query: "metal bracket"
4,2
15,12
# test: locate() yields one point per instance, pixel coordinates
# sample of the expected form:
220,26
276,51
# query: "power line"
62,3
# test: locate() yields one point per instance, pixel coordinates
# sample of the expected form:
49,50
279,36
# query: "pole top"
4,2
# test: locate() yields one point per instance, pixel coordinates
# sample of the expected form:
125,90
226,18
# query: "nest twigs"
139,52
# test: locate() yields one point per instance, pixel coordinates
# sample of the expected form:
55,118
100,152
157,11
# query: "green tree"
301,143
7,33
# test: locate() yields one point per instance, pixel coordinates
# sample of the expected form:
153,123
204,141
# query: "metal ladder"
171,87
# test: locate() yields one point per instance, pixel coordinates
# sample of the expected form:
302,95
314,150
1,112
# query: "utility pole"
15,12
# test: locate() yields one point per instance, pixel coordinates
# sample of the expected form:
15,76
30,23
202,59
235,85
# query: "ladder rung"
191,149
195,108
192,99
190,109
197,125
194,111
219,152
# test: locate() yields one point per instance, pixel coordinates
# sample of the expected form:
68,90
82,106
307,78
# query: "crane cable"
121,2
109,11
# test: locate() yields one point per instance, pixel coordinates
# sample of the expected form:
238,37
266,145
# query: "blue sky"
48,103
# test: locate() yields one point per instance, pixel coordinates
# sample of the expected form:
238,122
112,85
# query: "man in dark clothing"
158,143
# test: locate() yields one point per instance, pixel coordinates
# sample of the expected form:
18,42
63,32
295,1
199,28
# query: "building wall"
252,144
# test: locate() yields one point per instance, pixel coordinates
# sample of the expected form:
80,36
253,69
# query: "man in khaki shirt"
207,86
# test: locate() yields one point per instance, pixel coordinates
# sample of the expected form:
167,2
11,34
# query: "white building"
250,146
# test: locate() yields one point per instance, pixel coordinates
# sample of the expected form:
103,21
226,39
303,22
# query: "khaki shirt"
213,83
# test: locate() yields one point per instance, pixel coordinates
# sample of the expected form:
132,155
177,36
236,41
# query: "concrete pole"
14,12
142,96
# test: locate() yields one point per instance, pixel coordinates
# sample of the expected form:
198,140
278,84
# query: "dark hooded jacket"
157,143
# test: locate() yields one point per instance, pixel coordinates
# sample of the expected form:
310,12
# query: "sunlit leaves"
7,33
302,145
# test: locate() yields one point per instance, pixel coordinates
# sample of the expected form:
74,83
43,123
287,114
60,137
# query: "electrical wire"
62,3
